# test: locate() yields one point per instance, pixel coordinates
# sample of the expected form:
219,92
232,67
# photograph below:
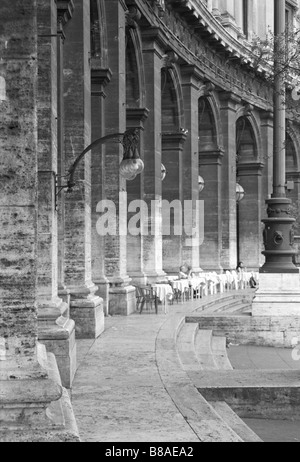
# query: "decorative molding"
169,59
227,70
65,10
132,16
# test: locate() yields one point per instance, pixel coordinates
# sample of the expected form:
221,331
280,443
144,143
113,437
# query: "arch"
208,133
135,76
172,101
244,112
292,150
247,142
99,48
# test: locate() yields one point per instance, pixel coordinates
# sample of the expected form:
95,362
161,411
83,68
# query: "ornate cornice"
227,72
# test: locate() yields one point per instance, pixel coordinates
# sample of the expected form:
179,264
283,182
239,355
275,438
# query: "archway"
172,147
210,162
249,171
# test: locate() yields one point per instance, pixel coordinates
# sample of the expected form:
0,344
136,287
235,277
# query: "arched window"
290,156
207,126
246,149
132,77
170,113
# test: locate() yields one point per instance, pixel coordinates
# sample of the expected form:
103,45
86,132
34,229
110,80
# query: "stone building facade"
73,71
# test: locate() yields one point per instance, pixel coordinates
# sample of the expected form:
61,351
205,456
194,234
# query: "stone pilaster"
152,243
136,117
191,80
122,299
65,9
227,18
86,306
211,170
172,159
228,108
100,78
250,242
56,330
33,405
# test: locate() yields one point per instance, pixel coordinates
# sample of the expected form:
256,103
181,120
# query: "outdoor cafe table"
163,291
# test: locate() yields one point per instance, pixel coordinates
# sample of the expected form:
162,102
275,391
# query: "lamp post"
131,165
278,234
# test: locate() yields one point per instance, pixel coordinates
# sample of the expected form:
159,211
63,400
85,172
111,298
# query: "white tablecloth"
197,281
162,291
181,284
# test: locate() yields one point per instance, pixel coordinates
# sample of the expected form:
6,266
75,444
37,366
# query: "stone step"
232,302
203,348
235,422
234,305
219,351
185,344
205,422
253,393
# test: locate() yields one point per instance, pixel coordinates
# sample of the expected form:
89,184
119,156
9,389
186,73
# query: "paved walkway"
118,394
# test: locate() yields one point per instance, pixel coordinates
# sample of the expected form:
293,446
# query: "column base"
59,339
103,292
88,316
278,295
57,332
122,301
34,407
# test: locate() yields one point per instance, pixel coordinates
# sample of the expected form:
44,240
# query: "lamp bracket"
129,140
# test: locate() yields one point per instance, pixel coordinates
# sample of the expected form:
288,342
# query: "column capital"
229,100
250,169
153,40
211,157
99,75
267,117
136,117
173,140
191,75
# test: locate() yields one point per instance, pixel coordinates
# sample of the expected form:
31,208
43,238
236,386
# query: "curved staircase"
182,350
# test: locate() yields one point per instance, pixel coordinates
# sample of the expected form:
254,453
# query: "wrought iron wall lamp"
131,165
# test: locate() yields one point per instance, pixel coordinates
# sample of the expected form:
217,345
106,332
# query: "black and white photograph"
149,224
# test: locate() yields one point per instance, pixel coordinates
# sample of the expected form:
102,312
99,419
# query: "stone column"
249,215
172,159
100,78
122,299
211,170
86,307
228,106
64,14
191,80
153,54
136,117
56,330
33,405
